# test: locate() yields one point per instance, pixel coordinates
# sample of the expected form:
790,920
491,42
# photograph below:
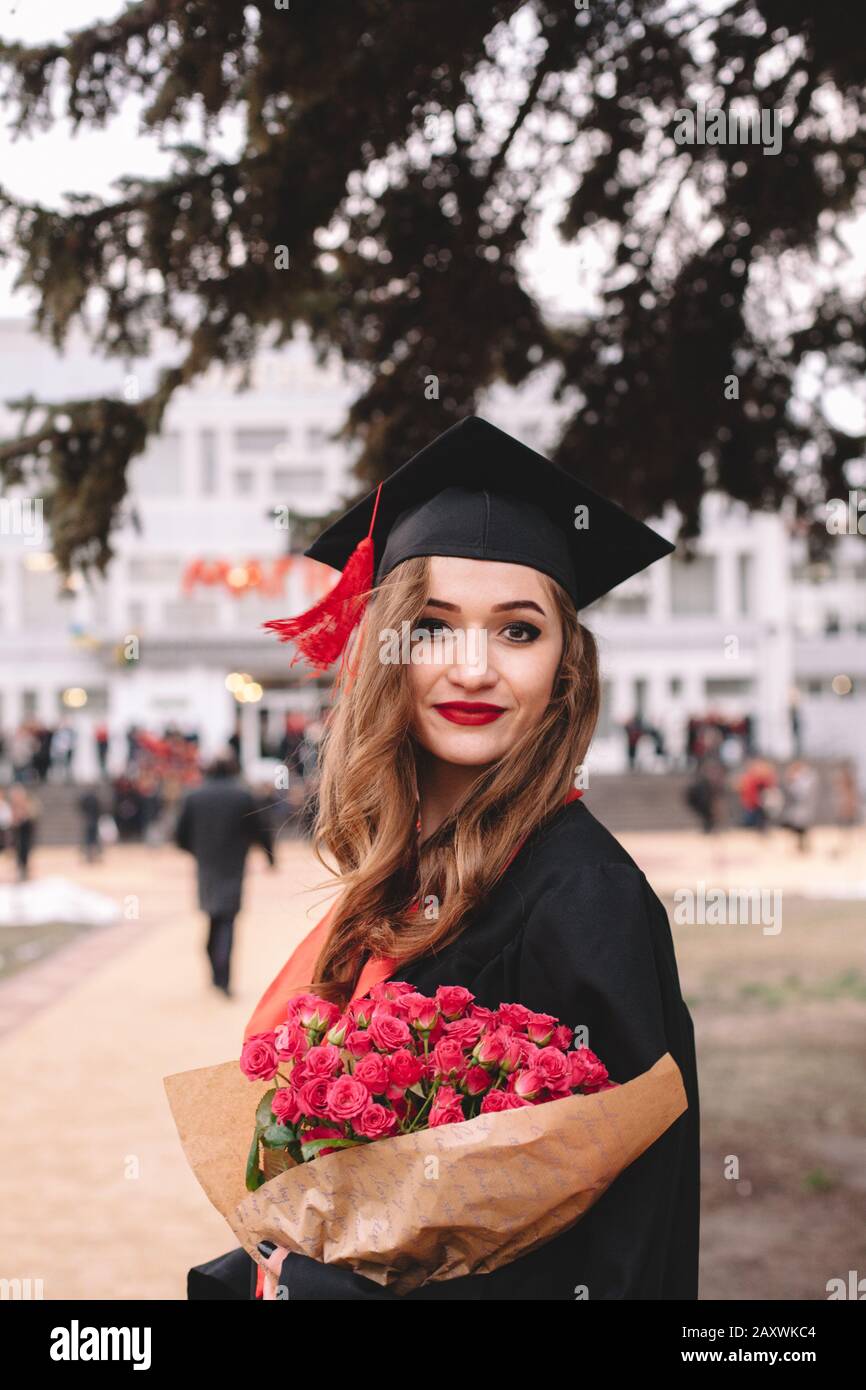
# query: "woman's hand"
308,1279
272,1266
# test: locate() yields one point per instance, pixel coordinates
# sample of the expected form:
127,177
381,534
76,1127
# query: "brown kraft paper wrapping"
433,1205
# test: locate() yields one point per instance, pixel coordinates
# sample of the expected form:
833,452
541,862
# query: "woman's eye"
522,632
433,625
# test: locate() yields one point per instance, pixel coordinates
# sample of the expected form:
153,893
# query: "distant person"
90,809
21,752
218,822
42,755
100,736
846,804
63,749
756,782
25,810
799,809
5,822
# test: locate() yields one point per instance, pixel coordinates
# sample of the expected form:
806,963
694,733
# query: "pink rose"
421,1012
313,1096
447,1108
309,1011
553,1067
372,1070
490,1048
374,1121
325,1132
359,1043
502,1100
448,1058
540,1028
290,1041
404,1068
586,1068
514,1015
346,1098
467,1031
323,1060
527,1084
563,1037
476,1081
388,1032
285,1106
258,1058
453,999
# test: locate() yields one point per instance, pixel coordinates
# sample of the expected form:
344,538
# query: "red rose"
374,1121
258,1058
514,1015
528,1084
421,1012
541,1028
467,1031
387,1031
476,1081
563,1037
359,1043
494,1100
346,1098
404,1068
285,1106
290,1041
313,1096
553,1066
453,999
323,1060
491,1047
372,1070
448,1058
309,1011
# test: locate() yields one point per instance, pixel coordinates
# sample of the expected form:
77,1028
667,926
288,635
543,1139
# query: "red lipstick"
469,711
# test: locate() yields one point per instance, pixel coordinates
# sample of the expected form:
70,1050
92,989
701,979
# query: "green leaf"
311,1148
278,1136
263,1111
254,1175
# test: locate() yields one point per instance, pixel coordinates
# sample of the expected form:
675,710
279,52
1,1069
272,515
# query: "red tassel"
322,632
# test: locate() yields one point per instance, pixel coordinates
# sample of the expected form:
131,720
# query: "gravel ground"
95,1194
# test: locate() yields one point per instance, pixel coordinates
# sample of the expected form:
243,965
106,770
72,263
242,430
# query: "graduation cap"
475,492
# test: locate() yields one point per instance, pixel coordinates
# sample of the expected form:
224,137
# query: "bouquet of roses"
398,1061
413,1139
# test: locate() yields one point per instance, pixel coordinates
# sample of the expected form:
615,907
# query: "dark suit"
572,929
217,824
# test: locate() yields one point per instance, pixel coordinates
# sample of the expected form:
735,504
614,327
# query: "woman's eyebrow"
497,607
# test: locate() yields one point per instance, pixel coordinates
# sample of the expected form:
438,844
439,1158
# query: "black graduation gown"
573,929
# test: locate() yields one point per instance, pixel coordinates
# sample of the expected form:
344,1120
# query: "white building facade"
746,628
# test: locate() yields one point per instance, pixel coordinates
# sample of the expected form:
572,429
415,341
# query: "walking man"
218,822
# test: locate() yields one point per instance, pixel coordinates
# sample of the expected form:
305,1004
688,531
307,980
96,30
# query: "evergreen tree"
395,161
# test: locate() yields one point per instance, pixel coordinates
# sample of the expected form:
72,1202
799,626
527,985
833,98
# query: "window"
604,728
722,687
245,482
154,569
316,437
675,686
208,463
260,441
135,613
183,615
158,473
288,481
745,575
693,586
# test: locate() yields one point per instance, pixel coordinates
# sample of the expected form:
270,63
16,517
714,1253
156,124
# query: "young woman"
465,851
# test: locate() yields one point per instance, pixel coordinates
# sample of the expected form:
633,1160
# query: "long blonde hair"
368,795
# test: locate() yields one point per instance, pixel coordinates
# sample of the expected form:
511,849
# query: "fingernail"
266,1247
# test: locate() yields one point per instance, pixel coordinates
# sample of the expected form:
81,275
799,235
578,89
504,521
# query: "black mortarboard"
475,492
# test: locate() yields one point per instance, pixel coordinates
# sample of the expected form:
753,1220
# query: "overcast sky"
45,165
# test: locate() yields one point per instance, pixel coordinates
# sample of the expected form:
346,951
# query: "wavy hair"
368,794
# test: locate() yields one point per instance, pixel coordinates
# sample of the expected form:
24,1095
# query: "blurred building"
745,629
